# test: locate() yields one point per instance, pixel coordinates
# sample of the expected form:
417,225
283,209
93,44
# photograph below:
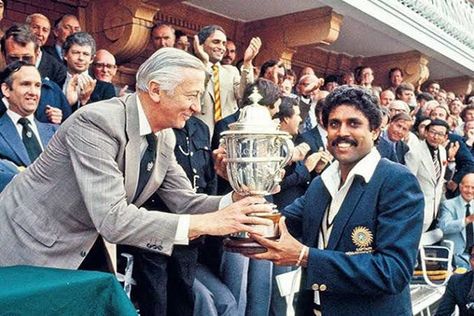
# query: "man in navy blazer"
459,292
21,89
359,223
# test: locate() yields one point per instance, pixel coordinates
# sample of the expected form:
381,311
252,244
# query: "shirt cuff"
226,200
182,231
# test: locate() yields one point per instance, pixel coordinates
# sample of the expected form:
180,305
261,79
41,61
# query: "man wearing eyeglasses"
104,68
428,161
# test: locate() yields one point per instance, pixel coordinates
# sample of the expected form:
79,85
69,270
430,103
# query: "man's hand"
231,219
252,51
452,151
220,163
53,114
299,152
71,90
123,91
284,252
86,86
199,51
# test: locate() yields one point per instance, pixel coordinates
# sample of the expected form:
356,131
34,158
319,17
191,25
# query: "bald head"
467,187
104,66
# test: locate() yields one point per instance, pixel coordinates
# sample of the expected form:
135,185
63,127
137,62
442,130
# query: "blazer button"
83,253
323,287
315,287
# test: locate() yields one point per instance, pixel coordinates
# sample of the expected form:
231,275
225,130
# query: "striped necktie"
217,94
436,164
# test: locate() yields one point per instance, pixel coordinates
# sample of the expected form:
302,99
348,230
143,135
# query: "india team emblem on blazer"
362,238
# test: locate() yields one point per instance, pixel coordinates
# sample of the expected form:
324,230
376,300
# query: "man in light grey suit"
210,47
84,185
456,220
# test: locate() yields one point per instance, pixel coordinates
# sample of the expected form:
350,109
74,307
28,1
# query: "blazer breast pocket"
37,228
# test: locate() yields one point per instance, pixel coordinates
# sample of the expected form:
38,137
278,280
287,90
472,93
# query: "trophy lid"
255,118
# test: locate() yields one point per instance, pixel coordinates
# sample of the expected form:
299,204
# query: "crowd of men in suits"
43,87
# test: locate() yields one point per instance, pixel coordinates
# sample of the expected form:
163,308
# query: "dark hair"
268,90
286,108
330,78
179,33
7,74
438,122
463,113
358,98
404,86
358,73
424,96
268,64
392,70
21,34
207,31
160,24
81,39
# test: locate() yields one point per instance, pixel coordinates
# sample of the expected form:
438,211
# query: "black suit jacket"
457,293
51,68
312,138
51,50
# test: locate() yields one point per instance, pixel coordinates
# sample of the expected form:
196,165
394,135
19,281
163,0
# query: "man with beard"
359,223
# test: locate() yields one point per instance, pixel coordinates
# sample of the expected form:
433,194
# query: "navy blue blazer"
312,138
7,171
361,280
456,293
51,95
11,144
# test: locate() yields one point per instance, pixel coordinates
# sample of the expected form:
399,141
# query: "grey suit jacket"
232,87
82,186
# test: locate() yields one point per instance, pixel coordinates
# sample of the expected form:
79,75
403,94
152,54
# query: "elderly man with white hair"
103,164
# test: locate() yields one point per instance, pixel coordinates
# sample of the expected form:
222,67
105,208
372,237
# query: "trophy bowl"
256,153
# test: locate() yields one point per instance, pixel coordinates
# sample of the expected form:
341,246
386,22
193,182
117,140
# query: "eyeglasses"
26,58
103,65
435,133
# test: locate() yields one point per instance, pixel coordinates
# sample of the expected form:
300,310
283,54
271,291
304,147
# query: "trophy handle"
287,147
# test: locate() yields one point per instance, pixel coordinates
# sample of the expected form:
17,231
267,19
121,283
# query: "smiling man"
22,137
359,222
104,162
226,86
79,87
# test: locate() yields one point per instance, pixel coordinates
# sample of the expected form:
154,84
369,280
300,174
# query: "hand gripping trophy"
256,152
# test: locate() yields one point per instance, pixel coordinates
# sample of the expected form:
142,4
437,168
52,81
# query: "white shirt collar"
331,177
144,125
15,117
38,59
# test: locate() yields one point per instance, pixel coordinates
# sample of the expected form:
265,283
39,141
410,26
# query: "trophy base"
245,246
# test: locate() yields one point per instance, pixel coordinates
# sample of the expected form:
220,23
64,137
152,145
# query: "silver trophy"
256,152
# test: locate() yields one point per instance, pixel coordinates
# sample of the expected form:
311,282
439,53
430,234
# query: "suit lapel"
13,139
319,202
132,149
461,213
427,162
45,132
347,208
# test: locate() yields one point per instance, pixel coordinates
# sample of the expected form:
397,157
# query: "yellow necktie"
217,94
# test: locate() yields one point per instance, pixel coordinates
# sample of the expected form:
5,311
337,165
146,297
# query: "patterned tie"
469,229
29,139
436,164
307,124
146,164
217,94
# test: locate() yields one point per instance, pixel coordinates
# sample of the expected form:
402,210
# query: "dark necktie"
469,229
436,164
29,139
146,164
